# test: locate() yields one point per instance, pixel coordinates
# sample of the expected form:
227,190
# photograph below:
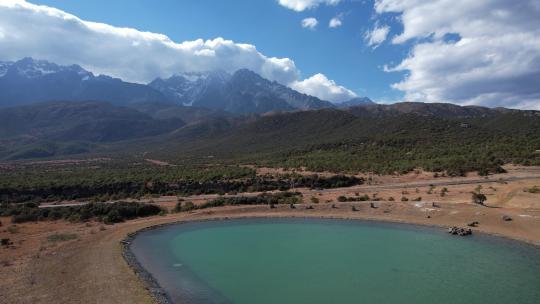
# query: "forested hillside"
393,142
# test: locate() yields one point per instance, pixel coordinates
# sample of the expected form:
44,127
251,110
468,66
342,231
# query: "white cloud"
324,88
376,36
302,5
47,33
495,63
335,22
310,23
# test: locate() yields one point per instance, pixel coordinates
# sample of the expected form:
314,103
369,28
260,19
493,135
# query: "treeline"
98,189
395,144
452,158
107,213
261,199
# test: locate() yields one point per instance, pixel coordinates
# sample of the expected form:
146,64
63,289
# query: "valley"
265,152
81,175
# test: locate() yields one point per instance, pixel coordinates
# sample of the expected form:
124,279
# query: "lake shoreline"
93,269
160,295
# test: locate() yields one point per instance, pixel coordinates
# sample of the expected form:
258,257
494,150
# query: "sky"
483,52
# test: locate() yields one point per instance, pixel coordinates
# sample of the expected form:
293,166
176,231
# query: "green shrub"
478,198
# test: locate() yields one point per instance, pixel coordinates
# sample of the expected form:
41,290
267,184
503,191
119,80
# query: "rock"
459,231
473,224
6,242
506,218
429,216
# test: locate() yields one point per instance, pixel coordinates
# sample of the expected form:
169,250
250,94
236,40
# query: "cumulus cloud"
377,35
310,23
495,61
47,33
302,5
335,22
324,88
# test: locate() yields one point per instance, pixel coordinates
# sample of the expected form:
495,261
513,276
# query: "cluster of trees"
270,199
388,145
361,198
108,213
106,184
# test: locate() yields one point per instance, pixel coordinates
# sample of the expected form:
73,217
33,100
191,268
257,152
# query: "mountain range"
48,110
242,92
56,129
28,81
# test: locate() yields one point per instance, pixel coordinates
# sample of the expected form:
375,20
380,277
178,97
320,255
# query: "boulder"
459,231
506,218
473,224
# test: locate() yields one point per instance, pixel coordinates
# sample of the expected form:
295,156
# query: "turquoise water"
263,261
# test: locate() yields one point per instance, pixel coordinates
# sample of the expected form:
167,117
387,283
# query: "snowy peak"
187,88
4,66
29,81
31,69
242,92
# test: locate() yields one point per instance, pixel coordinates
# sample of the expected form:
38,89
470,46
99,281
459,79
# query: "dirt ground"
89,268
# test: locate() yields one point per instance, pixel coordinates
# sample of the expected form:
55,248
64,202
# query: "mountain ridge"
29,81
243,91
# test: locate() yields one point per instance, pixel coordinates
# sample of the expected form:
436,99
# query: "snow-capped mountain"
192,87
4,66
31,69
28,81
242,92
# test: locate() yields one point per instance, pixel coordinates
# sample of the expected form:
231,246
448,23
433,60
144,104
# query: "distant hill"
441,110
355,102
383,139
188,114
242,92
28,81
75,124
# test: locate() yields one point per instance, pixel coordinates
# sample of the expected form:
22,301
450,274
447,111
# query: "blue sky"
339,53
458,51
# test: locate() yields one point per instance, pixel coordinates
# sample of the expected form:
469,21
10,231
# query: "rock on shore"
459,231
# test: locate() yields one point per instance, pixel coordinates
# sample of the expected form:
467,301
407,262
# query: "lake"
308,261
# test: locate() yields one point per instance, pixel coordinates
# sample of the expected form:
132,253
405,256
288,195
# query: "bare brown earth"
90,269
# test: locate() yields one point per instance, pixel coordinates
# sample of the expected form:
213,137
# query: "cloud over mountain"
324,88
470,52
48,33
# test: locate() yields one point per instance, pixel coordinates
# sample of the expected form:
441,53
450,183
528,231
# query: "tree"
478,198
177,208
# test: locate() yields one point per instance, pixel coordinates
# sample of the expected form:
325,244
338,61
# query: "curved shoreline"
160,296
